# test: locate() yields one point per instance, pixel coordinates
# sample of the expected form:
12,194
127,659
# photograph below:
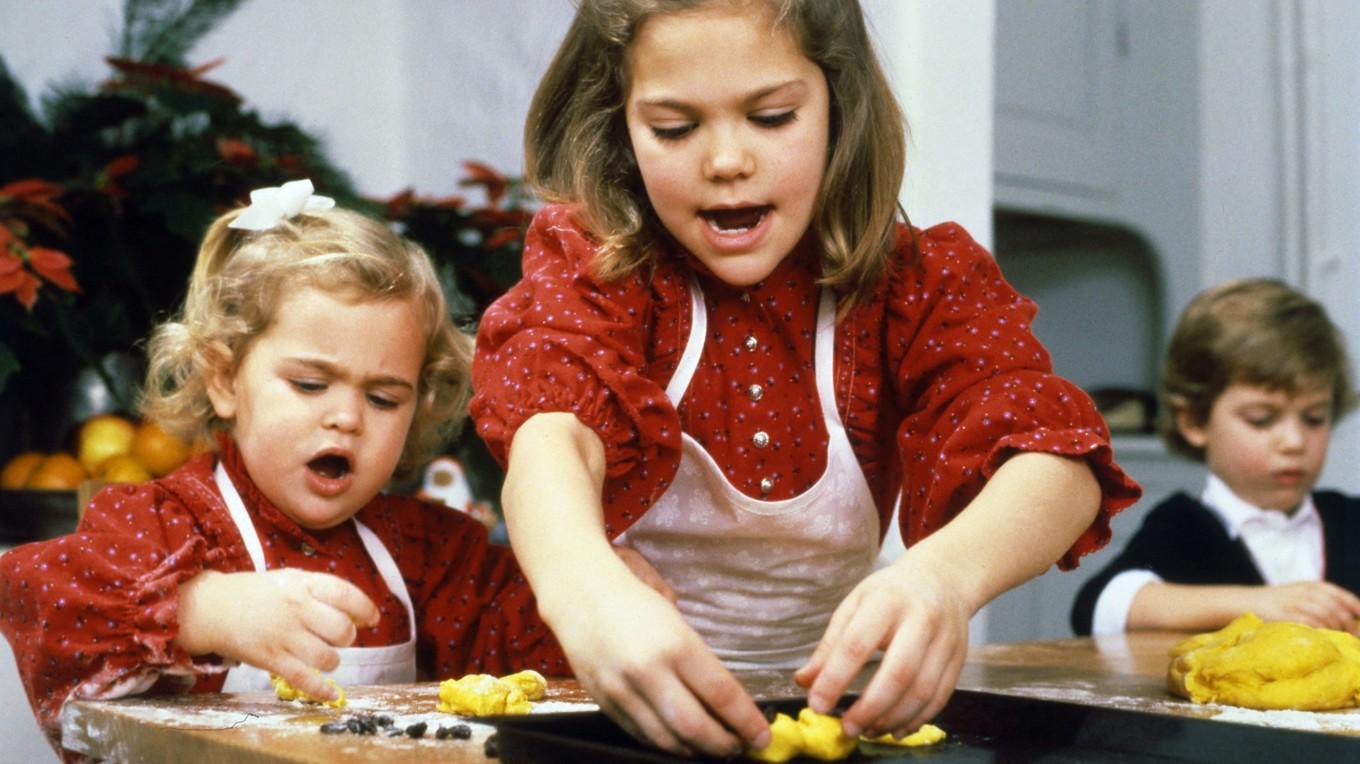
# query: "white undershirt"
1285,548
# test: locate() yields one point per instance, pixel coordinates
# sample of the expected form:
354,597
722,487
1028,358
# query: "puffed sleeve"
474,608
977,387
93,614
560,340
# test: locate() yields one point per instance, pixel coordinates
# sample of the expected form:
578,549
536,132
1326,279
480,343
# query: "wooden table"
1120,672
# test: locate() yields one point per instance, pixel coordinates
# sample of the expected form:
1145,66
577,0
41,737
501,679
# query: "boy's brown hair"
577,147
1258,332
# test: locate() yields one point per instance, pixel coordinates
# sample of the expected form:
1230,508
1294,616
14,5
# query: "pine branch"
164,31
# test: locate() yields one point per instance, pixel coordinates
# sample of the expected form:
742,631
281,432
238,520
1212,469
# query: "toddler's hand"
908,612
285,621
651,673
1312,603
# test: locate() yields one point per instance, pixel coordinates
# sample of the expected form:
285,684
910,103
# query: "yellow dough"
286,691
482,695
928,734
816,735
529,682
1278,665
786,741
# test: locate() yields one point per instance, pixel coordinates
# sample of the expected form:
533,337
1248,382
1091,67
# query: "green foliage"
143,162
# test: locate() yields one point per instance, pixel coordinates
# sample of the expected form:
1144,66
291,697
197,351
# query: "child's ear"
1193,431
221,379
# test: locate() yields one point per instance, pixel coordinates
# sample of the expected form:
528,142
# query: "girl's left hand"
907,611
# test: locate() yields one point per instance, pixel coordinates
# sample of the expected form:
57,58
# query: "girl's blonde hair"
577,147
1258,332
241,277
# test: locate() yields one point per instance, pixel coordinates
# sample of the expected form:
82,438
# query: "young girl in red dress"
729,353
315,347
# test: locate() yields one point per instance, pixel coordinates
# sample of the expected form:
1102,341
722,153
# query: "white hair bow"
270,205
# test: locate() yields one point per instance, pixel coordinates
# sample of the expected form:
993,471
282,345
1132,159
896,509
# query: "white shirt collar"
1237,514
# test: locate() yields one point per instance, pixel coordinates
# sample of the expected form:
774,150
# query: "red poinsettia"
107,179
32,199
142,76
482,175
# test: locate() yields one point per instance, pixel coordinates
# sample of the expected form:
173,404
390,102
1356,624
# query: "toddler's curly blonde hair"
241,277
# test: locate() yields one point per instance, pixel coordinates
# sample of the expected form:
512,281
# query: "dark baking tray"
982,727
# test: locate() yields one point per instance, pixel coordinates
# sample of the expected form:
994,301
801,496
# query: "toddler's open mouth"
735,220
330,466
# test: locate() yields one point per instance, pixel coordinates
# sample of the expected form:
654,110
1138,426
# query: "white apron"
392,664
759,579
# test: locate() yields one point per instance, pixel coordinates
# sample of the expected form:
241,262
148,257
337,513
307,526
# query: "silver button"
750,343
307,549
760,439
746,297
766,485
755,392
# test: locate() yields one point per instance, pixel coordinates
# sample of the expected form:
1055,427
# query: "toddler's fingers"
328,623
311,650
304,678
345,597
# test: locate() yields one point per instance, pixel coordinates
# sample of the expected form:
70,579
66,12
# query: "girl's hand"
1312,603
908,612
285,621
651,673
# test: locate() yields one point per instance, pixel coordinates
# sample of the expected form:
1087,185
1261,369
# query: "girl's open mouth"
736,220
330,466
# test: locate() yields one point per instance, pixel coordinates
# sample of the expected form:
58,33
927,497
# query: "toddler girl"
728,353
315,350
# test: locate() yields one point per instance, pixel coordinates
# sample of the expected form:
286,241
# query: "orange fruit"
103,436
122,468
57,472
19,469
157,450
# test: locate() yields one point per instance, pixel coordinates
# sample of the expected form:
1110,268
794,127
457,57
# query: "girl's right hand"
1312,603
285,621
653,675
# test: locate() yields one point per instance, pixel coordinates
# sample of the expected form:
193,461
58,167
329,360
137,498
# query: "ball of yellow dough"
1269,666
928,734
786,741
481,695
286,691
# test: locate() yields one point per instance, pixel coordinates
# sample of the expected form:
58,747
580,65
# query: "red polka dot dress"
938,377
93,614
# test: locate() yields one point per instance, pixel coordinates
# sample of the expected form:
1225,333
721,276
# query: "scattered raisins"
492,749
460,732
417,730
334,728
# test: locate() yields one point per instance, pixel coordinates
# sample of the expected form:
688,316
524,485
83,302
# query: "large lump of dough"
1269,666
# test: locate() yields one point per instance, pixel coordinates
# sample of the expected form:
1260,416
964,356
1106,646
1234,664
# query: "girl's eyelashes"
775,120
672,133
383,402
307,385
676,132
